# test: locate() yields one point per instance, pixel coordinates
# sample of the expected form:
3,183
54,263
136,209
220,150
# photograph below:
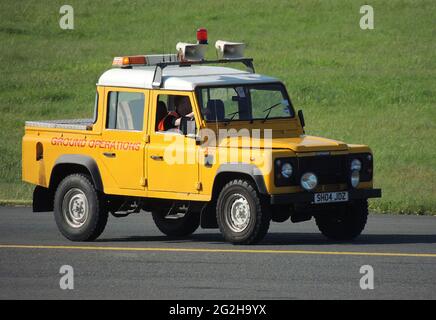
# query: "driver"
173,119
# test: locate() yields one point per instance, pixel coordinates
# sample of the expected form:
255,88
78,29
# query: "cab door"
171,156
122,145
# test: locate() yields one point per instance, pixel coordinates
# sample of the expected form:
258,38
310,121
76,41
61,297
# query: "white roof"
179,78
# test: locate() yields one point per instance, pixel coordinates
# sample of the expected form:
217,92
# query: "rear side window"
95,108
125,110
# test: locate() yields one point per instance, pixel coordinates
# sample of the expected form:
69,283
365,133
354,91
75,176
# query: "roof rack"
157,77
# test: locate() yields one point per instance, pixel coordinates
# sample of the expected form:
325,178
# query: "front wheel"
242,214
345,222
79,211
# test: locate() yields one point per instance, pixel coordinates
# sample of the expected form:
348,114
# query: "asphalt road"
132,260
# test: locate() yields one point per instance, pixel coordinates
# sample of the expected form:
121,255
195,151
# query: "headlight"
355,178
363,163
287,170
309,181
356,165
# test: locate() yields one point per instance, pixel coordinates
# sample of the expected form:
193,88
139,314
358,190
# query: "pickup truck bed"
75,124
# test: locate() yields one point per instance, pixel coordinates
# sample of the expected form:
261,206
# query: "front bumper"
307,197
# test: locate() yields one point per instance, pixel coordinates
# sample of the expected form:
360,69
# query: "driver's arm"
177,121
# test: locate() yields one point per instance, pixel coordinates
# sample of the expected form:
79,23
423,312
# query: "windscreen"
244,102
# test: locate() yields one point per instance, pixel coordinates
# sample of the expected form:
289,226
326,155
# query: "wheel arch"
225,174
43,198
74,163
230,171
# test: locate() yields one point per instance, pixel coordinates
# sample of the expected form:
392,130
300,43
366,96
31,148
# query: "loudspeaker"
190,51
230,50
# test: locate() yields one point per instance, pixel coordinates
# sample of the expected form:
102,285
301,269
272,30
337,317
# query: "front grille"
328,169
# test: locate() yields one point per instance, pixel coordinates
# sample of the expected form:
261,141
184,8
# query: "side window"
95,117
174,114
125,110
162,111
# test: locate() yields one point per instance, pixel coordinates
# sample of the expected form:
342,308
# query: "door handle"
109,154
159,158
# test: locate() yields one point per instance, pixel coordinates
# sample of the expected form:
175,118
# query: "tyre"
345,223
174,226
242,214
79,211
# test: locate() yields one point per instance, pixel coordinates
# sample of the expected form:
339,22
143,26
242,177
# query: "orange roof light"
129,61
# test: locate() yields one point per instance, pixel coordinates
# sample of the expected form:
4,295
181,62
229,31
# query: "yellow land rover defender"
196,144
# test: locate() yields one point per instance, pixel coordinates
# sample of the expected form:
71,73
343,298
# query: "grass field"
376,87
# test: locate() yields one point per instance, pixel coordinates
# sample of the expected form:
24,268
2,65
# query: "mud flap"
42,199
208,217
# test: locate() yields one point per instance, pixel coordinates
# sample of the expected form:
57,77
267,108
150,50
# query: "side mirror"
199,140
301,117
187,126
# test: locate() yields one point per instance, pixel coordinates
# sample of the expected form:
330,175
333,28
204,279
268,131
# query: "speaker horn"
230,50
190,51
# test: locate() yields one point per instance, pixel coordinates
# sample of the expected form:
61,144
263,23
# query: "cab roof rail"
157,77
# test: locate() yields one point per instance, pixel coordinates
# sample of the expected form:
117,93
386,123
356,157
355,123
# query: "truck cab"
196,143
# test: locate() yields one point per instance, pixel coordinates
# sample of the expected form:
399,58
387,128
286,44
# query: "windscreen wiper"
232,116
269,110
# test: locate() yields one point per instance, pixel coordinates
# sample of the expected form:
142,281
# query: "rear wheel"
344,223
242,214
78,209
178,225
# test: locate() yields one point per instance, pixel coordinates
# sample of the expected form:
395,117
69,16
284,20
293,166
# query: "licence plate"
328,197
